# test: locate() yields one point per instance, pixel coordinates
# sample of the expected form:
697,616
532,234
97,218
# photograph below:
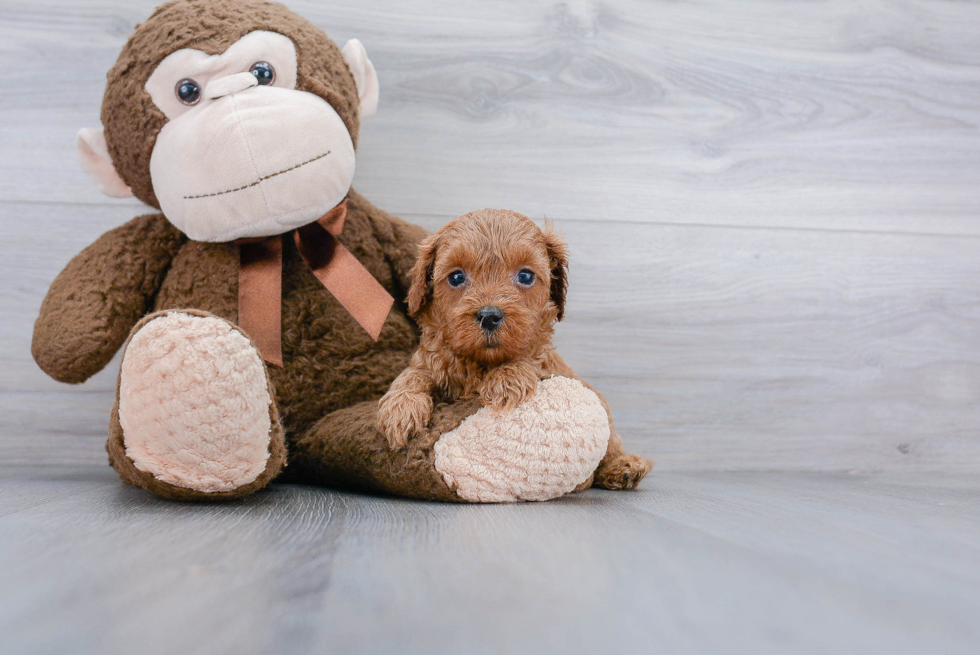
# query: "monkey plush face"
246,139
243,153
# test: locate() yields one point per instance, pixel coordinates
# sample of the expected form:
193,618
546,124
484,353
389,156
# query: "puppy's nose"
490,318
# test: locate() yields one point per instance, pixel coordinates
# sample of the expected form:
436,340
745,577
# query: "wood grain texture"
851,115
773,213
717,347
693,563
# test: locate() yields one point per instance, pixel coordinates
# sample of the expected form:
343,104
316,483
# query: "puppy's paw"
506,387
622,473
403,414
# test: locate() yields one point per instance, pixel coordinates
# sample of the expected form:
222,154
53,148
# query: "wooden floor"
773,211
716,562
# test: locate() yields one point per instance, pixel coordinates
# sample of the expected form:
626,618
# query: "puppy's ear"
420,292
558,260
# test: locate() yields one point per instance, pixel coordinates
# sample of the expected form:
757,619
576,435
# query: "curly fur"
457,358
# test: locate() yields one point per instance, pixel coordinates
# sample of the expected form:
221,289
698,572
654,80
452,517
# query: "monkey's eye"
188,91
525,278
263,72
456,279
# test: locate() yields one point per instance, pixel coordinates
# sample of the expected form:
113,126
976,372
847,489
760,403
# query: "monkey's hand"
507,386
402,414
100,295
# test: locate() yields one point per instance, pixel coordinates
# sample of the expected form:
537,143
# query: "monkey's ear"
94,155
365,77
421,275
558,260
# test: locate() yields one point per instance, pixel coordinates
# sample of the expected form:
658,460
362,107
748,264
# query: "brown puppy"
487,290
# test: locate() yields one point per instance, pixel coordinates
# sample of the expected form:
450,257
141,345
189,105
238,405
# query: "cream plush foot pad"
541,450
194,403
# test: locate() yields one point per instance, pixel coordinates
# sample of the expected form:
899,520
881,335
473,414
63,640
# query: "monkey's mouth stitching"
260,180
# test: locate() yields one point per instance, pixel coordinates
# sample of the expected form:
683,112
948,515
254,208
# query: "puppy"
486,291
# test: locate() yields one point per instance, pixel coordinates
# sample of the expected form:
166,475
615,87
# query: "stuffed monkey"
262,311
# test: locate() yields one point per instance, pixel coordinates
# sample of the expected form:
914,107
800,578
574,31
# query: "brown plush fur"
329,361
132,121
345,448
146,265
96,300
324,396
459,357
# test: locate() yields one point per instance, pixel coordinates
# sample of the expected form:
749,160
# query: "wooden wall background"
772,206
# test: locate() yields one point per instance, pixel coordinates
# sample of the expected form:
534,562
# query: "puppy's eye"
188,91
456,279
525,278
263,72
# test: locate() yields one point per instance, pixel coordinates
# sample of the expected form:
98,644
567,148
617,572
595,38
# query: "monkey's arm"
100,295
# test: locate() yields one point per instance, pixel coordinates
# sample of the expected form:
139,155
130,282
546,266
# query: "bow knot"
260,281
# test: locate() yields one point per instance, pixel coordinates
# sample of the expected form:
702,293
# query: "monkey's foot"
546,447
194,417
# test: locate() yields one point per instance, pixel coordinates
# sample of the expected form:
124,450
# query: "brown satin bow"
260,282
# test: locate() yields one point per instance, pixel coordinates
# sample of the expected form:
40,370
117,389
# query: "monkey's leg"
195,417
548,446
346,449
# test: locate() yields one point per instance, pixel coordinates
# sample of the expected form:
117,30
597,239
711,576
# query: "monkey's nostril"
489,318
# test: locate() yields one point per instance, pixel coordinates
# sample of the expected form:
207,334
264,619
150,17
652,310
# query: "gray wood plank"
754,194
834,114
693,563
717,347
810,349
